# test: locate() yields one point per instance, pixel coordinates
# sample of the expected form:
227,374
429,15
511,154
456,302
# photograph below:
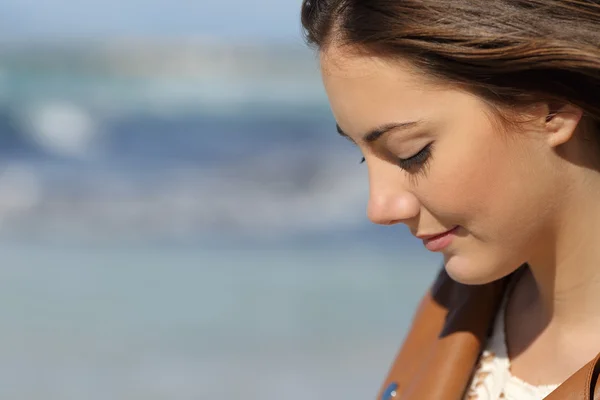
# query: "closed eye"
416,161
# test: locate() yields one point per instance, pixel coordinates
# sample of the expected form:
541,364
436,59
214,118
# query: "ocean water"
172,322
182,223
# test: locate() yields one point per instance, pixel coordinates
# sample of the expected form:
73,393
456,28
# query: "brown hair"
511,52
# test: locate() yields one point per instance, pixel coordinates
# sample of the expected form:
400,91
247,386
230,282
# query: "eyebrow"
376,133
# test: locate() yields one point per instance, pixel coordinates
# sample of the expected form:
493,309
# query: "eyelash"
419,160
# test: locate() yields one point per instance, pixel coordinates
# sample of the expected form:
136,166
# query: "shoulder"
446,334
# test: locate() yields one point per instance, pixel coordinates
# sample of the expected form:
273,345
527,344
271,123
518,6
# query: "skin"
527,196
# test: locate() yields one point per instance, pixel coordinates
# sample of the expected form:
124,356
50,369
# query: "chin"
475,270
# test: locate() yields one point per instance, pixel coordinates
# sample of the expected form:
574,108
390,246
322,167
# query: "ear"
561,122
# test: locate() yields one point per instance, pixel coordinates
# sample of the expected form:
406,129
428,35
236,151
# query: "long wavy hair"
511,52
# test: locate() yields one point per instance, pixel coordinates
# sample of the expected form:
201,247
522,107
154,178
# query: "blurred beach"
180,220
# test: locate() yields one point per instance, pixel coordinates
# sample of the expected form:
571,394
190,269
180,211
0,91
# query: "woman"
479,122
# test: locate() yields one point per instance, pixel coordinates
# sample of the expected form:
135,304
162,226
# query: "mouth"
439,241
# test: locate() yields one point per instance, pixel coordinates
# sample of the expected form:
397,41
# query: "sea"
180,220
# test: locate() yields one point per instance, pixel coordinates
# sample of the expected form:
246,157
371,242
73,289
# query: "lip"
439,241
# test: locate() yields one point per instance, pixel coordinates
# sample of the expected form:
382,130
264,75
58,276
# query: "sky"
267,20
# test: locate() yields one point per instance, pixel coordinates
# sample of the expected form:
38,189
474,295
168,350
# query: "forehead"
366,91
346,63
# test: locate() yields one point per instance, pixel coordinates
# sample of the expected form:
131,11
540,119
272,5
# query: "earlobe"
561,123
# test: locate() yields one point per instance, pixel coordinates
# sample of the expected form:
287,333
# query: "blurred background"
179,218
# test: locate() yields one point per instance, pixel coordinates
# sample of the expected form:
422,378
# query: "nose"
389,200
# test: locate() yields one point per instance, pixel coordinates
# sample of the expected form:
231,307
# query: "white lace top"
492,379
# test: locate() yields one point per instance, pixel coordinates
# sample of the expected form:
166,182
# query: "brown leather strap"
582,385
437,358
440,351
593,376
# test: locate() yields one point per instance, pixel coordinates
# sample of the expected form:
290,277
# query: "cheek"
480,182
463,180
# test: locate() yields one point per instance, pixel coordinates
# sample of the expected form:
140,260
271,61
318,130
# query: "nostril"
382,218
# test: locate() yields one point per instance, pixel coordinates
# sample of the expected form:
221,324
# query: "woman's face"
438,163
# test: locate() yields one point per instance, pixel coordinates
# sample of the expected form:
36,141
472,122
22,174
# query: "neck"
566,264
